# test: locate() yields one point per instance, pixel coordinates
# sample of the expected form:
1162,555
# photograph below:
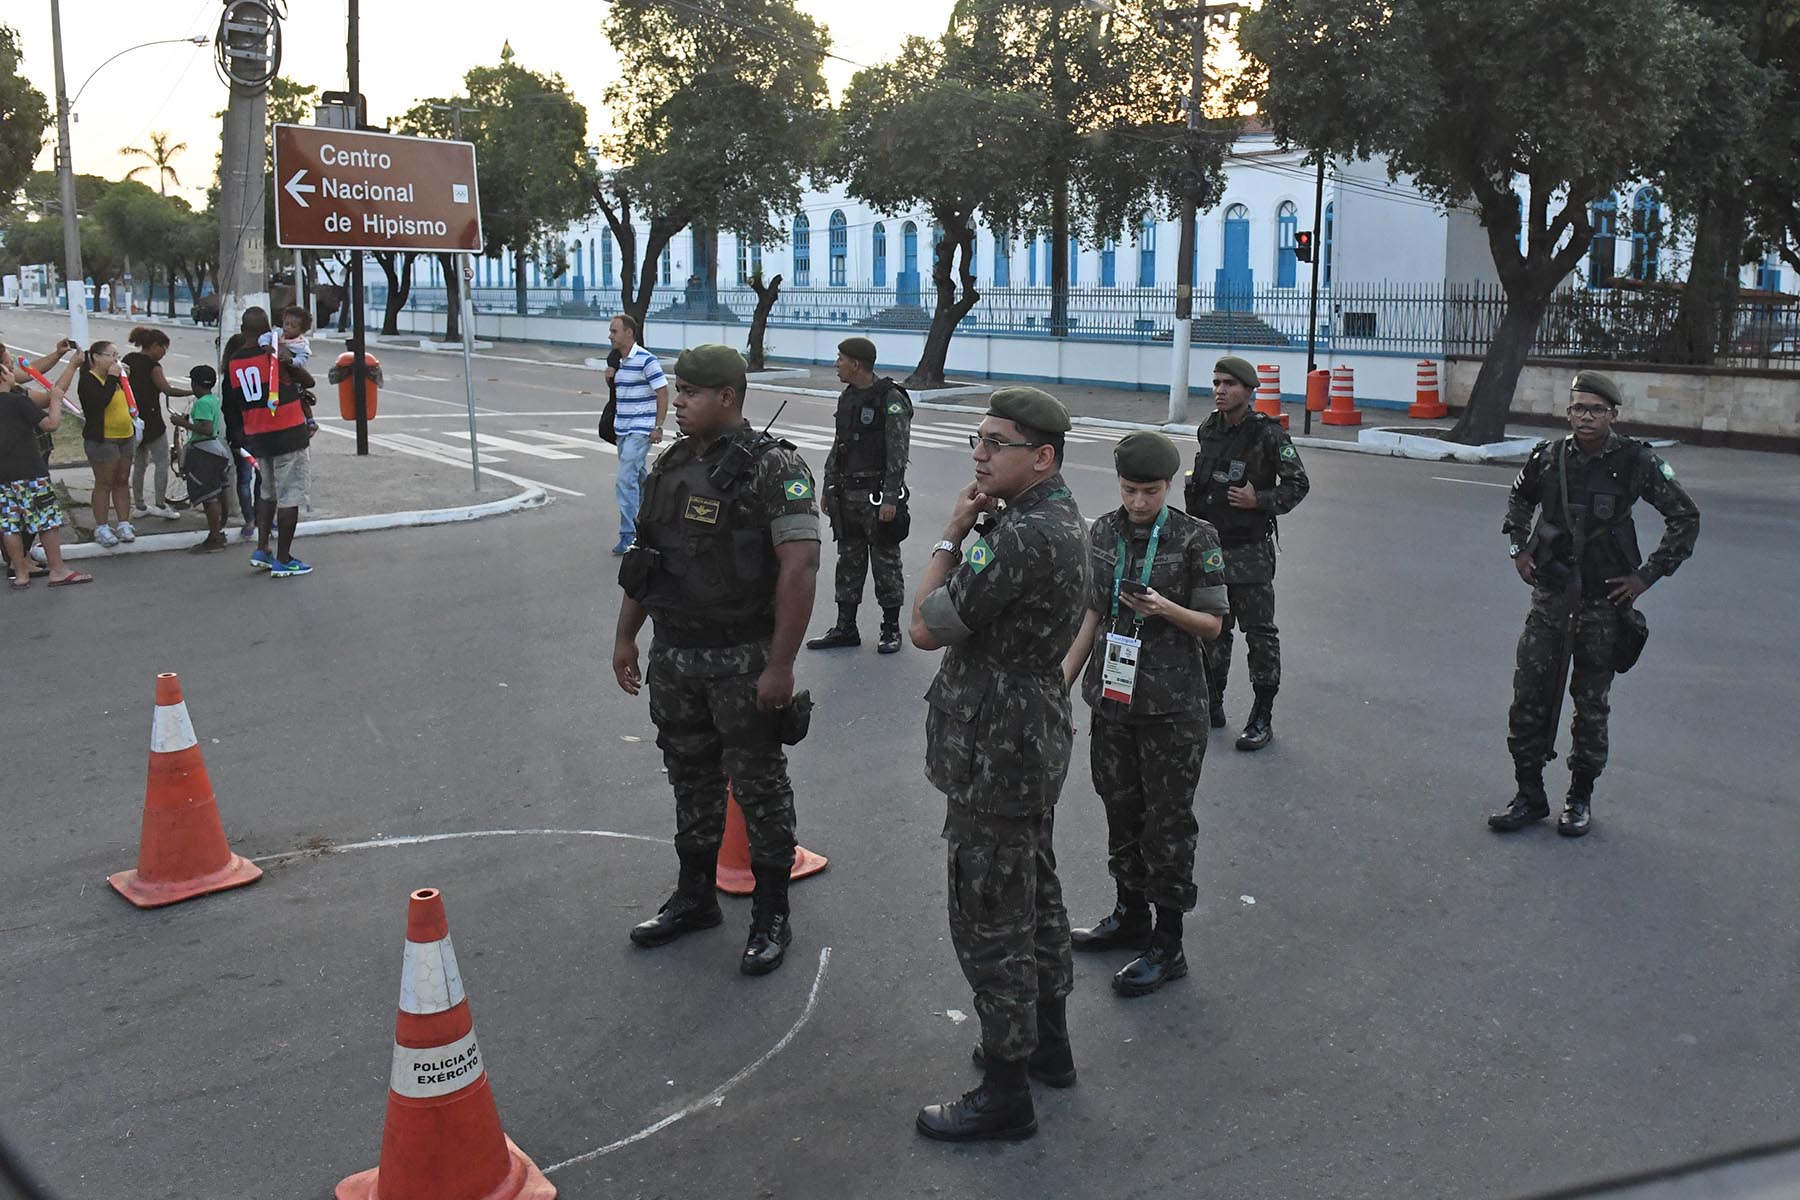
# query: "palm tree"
160,157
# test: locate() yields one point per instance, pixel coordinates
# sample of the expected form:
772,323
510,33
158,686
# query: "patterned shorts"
29,506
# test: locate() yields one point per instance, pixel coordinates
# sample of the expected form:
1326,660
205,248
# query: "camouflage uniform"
1146,758
1257,450
1602,490
997,742
713,620
868,459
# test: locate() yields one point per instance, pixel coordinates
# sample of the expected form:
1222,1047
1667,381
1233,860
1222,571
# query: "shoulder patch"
1212,560
796,489
895,407
1288,453
1668,472
981,556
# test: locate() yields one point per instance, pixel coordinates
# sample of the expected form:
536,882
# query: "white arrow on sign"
294,187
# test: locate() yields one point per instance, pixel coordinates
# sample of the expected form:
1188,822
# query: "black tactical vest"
862,430
1227,458
1601,492
712,571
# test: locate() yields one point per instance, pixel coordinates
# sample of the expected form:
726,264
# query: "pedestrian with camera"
1586,574
1158,596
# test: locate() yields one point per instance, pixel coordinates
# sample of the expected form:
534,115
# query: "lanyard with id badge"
1119,665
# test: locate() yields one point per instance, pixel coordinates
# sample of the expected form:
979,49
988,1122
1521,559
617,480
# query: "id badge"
1118,670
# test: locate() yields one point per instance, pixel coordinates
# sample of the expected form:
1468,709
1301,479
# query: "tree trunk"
950,310
662,232
1703,324
170,270
451,266
398,267
519,280
1490,403
766,295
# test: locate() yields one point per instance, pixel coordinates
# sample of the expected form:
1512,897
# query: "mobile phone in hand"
1132,587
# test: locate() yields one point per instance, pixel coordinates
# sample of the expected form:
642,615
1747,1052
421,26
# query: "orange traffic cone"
442,1140
182,852
734,875
1343,410
1428,406
1268,392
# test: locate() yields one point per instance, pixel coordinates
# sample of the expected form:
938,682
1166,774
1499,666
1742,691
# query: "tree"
911,136
1774,193
160,156
766,295
717,121
397,265
143,226
24,116
1467,97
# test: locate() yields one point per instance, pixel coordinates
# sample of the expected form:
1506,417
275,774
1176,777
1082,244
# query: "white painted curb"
149,543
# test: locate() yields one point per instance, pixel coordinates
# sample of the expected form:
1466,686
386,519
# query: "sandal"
18,585
71,579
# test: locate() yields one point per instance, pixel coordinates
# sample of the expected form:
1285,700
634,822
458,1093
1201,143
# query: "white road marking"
587,445
426,839
500,443
381,440
436,449
459,404
1476,482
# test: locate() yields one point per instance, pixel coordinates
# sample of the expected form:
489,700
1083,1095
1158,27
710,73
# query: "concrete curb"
150,543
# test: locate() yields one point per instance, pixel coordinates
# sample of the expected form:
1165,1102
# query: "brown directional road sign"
338,189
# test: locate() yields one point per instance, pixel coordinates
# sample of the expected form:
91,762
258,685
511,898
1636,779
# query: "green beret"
1146,457
1030,406
711,366
1239,369
859,348
1596,384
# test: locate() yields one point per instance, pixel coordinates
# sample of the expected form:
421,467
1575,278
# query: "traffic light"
1303,245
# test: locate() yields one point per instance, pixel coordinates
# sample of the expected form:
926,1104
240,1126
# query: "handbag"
608,419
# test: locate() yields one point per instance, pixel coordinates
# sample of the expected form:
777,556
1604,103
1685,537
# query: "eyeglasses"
994,445
1589,410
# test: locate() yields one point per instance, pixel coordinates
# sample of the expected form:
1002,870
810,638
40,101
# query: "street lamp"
199,39
74,278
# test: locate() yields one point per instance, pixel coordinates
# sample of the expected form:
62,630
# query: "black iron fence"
1426,320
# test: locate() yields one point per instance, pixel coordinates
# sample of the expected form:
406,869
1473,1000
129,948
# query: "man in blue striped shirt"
643,402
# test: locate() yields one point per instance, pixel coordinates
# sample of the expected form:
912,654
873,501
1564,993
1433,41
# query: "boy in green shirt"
207,456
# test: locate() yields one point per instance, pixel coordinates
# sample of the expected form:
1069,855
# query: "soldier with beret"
724,564
997,741
1246,474
865,494
1158,596
1586,573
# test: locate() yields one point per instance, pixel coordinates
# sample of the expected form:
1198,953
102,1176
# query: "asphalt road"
1387,1000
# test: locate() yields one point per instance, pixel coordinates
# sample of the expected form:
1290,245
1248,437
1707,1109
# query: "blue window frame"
878,256
668,267
1327,234
743,262
1646,234
756,259
1074,261
1002,259
537,272
1287,264
1601,251
606,261
802,251
837,245
1109,264
1031,259
1147,252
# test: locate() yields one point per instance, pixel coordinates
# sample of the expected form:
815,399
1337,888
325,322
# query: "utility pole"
1312,303
74,278
245,33
1184,253
359,372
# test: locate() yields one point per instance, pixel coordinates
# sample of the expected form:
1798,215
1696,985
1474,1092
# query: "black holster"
1634,632
794,719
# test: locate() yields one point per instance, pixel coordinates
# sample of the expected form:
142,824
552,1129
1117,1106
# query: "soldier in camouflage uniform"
997,740
865,494
1158,595
1585,572
725,561
1246,474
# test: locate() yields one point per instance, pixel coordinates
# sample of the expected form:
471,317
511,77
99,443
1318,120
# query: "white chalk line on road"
1476,482
446,459
424,839
716,1097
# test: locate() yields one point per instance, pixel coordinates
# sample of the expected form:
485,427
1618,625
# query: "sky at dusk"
409,50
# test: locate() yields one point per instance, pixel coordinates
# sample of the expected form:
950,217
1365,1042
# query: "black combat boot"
1530,804
1162,963
1053,1061
1259,730
890,632
1127,927
695,905
1215,712
842,634
999,1110
1576,820
770,931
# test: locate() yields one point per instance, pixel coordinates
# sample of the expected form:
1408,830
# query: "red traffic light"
1303,246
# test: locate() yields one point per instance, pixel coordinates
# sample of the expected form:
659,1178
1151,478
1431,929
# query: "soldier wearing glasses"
1585,572
997,736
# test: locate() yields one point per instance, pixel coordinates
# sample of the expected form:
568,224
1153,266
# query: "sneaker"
247,533
165,512
292,566
139,512
622,547
212,544
104,536
125,531
262,560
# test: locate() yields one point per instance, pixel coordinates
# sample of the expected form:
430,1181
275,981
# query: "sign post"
340,189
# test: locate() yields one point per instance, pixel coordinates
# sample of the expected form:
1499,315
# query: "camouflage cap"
711,366
1146,457
1596,384
1239,369
859,348
1030,406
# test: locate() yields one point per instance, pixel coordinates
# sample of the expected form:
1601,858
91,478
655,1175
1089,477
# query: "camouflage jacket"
1190,570
1258,451
860,449
997,729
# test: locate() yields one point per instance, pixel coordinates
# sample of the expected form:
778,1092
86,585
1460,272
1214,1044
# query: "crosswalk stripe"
458,454
500,443
587,445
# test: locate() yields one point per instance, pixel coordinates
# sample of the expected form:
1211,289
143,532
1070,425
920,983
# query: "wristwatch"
1513,550
948,547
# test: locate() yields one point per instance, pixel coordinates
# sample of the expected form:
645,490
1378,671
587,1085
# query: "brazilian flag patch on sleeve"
1668,472
981,556
797,489
896,408
1289,453
1213,560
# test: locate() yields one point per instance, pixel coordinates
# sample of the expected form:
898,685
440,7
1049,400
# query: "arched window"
1109,263
606,261
1287,224
1002,258
802,251
878,256
837,249
1147,252
668,266
1031,259
743,262
1602,250
1328,235
1646,234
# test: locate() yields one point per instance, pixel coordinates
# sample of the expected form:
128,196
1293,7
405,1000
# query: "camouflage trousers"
703,702
1146,775
1007,922
854,524
1535,667
1253,611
